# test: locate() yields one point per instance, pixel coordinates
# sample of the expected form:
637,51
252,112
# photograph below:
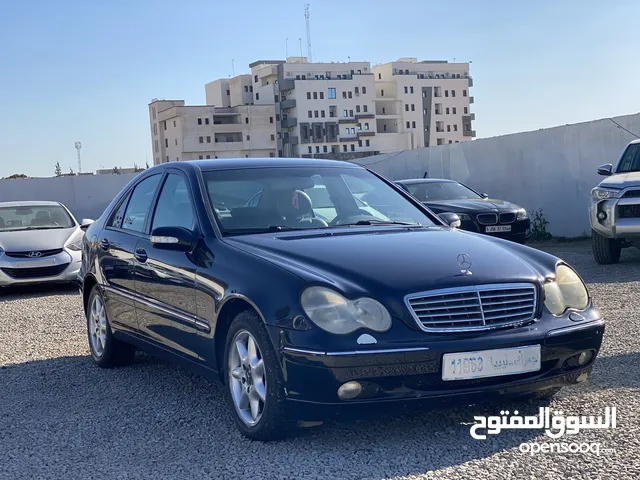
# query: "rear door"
117,244
165,279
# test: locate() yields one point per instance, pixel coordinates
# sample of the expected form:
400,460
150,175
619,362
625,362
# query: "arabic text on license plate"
490,363
499,228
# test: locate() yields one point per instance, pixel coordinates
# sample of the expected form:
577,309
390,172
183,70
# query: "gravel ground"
61,417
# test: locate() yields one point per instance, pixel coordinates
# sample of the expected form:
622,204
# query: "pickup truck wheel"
606,250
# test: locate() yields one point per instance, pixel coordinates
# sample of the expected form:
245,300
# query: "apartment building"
428,102
323,110
180,132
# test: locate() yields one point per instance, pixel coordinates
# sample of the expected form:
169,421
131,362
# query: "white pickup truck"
615,207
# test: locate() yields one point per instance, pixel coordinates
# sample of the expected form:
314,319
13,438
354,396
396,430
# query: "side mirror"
451,219
86,223
605,170
173,238
484,195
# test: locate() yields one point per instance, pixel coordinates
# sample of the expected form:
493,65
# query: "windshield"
439,191
258,200
630,161
36,217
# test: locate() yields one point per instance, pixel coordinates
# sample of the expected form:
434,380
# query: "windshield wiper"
270,228
378,222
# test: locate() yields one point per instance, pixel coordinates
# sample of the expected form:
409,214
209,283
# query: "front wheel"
255,388
606,251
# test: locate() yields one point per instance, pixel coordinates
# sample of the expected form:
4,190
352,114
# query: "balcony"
291,139
469,133
289,122
348,139
470,99
286,84
470,81
288,103
365,115
366,133
347,120
472,116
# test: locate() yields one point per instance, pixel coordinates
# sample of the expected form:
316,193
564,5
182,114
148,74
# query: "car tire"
106,351
272,421
606,251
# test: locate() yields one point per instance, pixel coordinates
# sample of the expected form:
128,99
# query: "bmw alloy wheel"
98,326
247,379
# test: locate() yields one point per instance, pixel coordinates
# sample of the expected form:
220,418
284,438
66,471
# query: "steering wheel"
340,217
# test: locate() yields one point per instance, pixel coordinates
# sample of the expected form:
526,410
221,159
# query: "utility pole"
78,147
306,16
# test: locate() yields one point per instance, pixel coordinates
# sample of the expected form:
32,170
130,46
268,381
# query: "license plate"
499,228
490,363
41,262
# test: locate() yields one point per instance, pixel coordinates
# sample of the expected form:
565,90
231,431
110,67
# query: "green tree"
58,170
16,175
116,171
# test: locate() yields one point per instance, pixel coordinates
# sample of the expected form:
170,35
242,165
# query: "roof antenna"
426,175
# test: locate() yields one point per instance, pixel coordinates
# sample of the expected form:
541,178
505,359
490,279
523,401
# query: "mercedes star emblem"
464,261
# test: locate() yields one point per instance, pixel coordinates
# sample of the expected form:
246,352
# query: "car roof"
237,163
44,203
413,181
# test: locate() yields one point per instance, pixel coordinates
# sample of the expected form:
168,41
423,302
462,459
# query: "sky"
78,70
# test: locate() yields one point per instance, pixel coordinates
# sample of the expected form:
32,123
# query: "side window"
175,208
118,216
138,208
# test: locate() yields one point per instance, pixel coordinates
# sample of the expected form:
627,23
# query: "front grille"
37,272
480,307
507,217
632,194
629,211
487,218
43,253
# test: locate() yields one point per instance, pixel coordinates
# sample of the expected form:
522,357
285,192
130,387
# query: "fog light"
584,358
582,377
602,216
349,390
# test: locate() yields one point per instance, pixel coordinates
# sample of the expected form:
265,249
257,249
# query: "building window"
406,107
344,148
208,139
344,94
246,89
382,93
199,157
310,150
157,148
324,148
272,155
353,147
413,107
176,140
408,124
424,111
208,157
357,108
447,110
310,114
246,119
322,113
359,126
206,121
166,142
446,93
321,95
455,128
277,117
367,143
315,113
347,131
317,149
331,93
174,123
464,93
351,113
199,121
315,95
360,143
167,158
164,124
379,76
406,89
411,89
350,94
450,141
248,137
255,78
357,90
273,137
201,139
466,110
453,110
251,90
270,119
413,124
257,96
457,141
308,95
448,128
364,108
366,126
453,93
276,98
346,113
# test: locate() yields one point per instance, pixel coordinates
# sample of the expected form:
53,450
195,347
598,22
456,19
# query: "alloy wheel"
247,379
97,326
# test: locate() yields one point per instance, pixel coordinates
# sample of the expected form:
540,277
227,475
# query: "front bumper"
60,268
616,225
410,373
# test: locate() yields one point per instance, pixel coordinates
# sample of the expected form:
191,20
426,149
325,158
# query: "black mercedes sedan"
477,212
228,267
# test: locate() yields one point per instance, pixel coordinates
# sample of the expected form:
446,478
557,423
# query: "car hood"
397,261
34,240
470,205
622,180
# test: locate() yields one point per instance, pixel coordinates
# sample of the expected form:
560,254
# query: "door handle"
104,244
141,255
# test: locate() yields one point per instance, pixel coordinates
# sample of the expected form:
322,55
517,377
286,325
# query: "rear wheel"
255,388
106,351
605,250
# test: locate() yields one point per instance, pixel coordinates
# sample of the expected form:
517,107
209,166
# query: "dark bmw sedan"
229,268
477,212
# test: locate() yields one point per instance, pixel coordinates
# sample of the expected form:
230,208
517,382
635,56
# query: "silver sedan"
40,242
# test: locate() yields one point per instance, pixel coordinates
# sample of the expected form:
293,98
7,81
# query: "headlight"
336,314
75,242
521,214
566,291
603,193
463,217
